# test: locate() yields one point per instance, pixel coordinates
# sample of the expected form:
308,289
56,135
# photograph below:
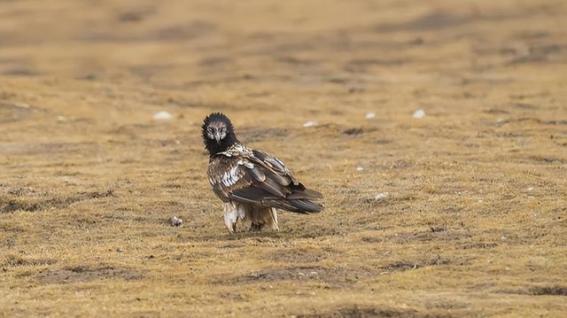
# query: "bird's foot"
255,227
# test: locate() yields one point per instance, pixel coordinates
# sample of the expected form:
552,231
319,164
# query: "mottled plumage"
252,184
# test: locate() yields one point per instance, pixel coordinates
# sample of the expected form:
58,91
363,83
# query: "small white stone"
480,200
370,115
309,123
60,118
381,196
163,115
530,189
175,221
420,113
359,168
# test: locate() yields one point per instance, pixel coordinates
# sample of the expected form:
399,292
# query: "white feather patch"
231,177
247,164
230,218
232,212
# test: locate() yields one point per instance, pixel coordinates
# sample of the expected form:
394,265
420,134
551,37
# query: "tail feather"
301,201
297,206
305,194
307,206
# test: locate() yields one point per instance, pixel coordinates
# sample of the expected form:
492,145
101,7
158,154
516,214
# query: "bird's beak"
218,137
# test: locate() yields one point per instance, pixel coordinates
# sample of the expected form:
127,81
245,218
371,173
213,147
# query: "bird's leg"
254,220
230,223
274,219
254,227
230,217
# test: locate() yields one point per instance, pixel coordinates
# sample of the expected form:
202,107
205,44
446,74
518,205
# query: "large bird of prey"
252,184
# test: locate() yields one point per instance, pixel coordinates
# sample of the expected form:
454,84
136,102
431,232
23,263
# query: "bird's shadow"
242,235
245,234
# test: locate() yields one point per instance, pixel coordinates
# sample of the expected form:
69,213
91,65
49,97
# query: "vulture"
253,185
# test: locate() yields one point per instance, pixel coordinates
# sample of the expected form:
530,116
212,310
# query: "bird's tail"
306,206
298,206
302,200
299,201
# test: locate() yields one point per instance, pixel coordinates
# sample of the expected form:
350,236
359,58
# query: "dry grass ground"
474,223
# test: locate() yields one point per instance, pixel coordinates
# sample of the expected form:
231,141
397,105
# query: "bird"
252,184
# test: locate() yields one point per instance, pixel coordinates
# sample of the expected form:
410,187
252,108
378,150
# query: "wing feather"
257,174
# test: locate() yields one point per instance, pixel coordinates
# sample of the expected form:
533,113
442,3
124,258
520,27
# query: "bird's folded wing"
259,179
277,170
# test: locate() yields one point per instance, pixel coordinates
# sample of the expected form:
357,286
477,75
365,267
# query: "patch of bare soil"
368,312
552,291
332,276
292,255
539,291
340,275
79,273
31,204
401,266
10,112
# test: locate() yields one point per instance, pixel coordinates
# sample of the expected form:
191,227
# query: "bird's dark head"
218,133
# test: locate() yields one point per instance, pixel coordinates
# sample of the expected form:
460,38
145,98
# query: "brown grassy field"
461,213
